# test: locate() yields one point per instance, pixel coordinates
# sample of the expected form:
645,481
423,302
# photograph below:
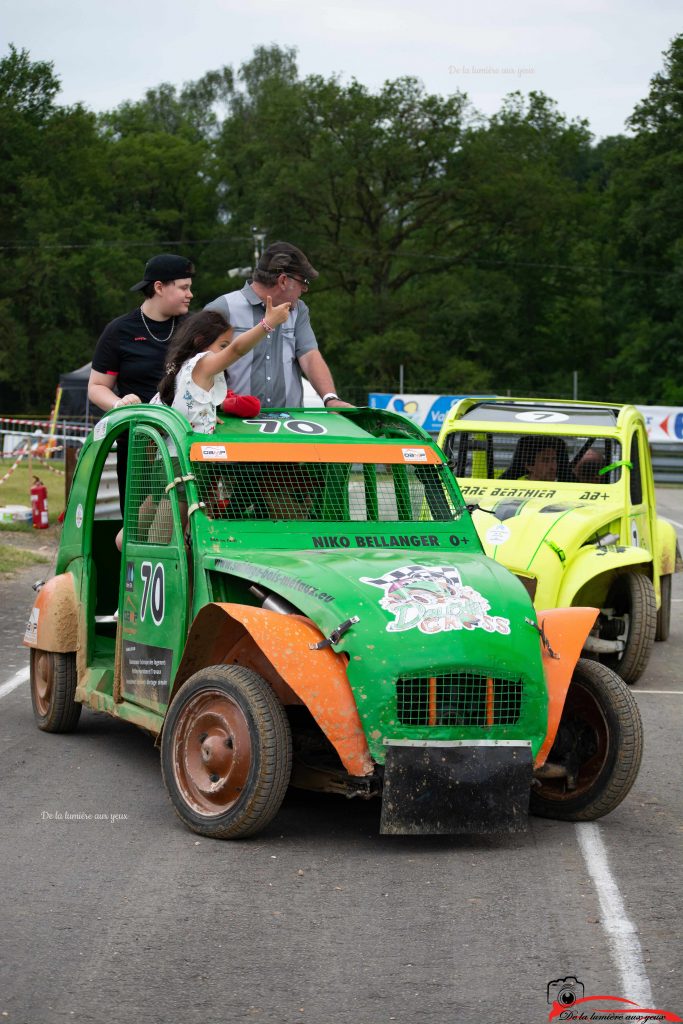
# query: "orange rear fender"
566,630
53,622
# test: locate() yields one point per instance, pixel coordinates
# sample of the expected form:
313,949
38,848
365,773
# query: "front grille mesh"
459,699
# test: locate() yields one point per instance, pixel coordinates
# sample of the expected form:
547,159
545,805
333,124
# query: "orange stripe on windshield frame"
287,451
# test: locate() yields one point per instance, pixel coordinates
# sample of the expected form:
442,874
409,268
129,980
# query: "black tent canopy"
75,401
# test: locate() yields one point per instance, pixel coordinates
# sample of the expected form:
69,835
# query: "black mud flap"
452,787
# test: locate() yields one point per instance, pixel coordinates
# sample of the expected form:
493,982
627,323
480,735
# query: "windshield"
507,456
336,492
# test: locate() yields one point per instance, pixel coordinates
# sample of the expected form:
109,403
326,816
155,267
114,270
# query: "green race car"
302,599
563,495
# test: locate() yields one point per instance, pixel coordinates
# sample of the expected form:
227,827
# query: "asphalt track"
112,912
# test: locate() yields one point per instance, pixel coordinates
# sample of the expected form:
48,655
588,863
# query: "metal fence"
17,436
107,506
667,463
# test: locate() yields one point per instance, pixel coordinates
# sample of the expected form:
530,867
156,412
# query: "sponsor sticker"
146,670
433,599
498,534
214,452
31,634
100,429
414,455
79,516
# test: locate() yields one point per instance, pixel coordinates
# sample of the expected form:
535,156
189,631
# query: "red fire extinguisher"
39,504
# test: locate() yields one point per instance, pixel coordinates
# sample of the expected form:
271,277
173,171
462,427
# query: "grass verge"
12,558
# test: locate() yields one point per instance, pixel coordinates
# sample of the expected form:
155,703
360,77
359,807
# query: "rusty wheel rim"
42,680
583,707
212,752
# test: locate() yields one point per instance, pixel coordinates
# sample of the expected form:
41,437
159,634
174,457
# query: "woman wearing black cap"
131,353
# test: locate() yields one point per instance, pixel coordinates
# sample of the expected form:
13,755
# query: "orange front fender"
566,630
277,646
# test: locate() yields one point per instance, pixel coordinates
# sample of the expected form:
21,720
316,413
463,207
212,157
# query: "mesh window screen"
149,509
327,492
534,457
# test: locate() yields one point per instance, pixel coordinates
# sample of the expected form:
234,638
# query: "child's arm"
275,315
214,362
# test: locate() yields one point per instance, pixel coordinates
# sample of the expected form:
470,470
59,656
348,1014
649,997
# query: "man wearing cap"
272,371
131,353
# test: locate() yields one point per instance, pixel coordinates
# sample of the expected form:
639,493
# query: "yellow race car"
563,494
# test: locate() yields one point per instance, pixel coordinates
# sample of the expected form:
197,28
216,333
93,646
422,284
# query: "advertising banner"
664,422
428,411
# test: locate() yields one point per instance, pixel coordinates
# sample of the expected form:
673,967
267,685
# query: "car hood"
526,526
540,538
468,610
421,618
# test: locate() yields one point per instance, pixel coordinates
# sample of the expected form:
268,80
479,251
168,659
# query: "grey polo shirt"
271,370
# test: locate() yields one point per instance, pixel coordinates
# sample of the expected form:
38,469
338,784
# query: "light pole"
259,238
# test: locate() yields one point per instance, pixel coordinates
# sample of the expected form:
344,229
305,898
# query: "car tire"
226,752
53,686
600,739
664,613
632,594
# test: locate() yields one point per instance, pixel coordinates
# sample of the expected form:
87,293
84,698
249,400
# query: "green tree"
51,175
645,219
440,237
463,252
85,200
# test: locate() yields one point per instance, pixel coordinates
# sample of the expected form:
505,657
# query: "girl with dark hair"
202,349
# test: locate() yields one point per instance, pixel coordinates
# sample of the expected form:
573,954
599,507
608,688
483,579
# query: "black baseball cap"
285,258
165,267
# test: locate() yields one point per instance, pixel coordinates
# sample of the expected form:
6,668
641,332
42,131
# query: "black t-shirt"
137,359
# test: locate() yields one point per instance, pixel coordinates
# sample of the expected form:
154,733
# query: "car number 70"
152,591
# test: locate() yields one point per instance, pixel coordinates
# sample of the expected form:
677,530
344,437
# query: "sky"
594,57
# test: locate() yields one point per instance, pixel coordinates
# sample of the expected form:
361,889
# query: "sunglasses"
303,281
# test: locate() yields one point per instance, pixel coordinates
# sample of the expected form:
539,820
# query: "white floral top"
196,404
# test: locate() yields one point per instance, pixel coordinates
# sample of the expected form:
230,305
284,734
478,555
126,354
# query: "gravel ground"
42,542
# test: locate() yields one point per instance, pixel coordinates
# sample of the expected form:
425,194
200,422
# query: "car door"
153,598
639,521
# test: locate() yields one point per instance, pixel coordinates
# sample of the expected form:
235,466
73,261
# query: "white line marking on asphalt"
639,693
17,679
673,522
621,932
